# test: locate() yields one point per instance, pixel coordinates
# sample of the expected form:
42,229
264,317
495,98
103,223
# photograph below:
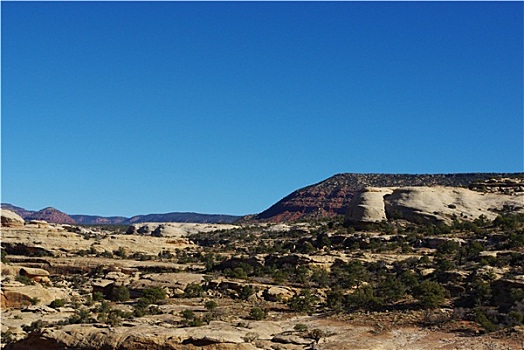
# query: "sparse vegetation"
24,279
119,293
257,272
257,313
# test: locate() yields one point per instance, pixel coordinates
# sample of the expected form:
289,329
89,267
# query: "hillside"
331,197
20,211
50,215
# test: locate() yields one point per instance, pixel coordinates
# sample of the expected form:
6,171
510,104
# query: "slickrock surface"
11,219
434,204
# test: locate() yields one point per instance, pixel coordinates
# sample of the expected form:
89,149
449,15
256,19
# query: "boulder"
290,339
11,219
37,275
39,223
157,232
275,293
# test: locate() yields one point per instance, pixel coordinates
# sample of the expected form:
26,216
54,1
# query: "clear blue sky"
127,108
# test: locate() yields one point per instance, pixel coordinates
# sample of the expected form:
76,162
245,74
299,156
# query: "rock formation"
11,219
368,205
429,204
332,196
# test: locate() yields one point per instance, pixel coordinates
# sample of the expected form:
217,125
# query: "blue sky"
124,108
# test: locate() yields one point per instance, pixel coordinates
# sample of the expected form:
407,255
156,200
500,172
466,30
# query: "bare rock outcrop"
11,219
368,205
173,229
331,197
36,275
16,295
216,336
429,204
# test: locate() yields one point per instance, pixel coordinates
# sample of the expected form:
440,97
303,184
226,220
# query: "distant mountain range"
325,199
56,216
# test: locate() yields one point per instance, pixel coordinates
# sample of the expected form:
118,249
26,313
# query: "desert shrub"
410,279
80,316
363,298
119,293
302,274
34,301
443,265
303,302
5,260
193,290
348,275
153,294
430,294
307,248
335,300
24,280
104,307
516,240
279,276
508,221
246,292
473,249
143,307
210,305
237,272
482,319
112,317
481,292
55,304
189,319
320,276
448,248
98,296
34,326
515,318
391,289
300,327
257,313
120,252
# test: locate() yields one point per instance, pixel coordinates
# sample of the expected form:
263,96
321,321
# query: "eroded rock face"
36,275
16,295
11,219
331,197
216,336
429,204
173,229
368,205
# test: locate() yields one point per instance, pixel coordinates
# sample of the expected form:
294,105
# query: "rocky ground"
189,286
